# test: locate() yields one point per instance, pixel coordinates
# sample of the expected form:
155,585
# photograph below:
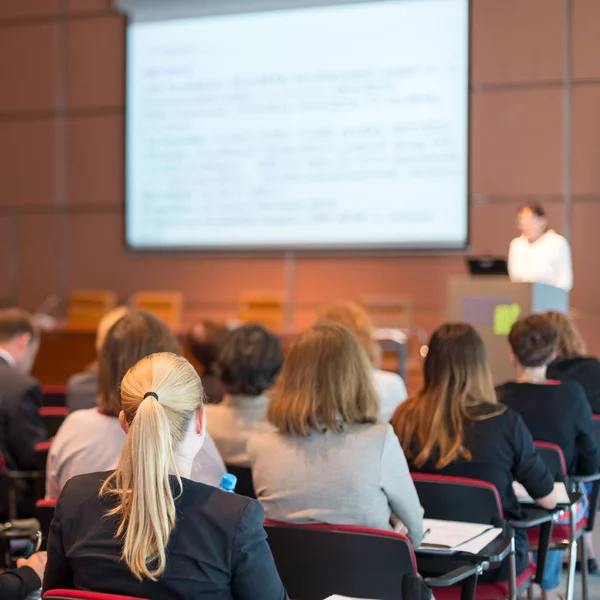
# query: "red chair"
475,501
44,511
81,595
566,536
317,561
54,395
53,416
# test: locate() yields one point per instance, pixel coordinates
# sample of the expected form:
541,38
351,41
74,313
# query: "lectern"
492,304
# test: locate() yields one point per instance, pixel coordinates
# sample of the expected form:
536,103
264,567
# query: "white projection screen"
295,125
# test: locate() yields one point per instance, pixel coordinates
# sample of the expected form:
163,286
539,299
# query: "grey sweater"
357,477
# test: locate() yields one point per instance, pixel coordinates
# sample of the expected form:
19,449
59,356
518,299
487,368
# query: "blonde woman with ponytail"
145,529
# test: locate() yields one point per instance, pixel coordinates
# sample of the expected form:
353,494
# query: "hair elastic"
150,394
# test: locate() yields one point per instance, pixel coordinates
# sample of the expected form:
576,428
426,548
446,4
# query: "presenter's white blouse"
547,260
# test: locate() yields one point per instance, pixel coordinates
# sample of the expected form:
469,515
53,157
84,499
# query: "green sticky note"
505,316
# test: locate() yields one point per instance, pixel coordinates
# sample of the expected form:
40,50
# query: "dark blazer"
218,549
21,426
18,583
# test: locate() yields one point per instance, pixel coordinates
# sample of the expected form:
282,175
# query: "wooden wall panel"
95,159
586,56
83,6
28,54
502,45
25,9
586,139
27,156
584,242
96,240
39,257
516,142
96,62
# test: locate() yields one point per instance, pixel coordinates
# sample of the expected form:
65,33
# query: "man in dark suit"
21,426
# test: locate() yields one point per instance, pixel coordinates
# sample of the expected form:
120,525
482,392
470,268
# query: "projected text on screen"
331,127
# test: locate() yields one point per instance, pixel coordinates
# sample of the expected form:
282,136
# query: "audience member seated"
82,388
21,426
91,439
204,342
553,411
330,461
454,426
20,583
571,361
389,386
146,529
249,362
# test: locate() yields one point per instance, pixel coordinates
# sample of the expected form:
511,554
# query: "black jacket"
585,370
19,583
21,426
218,549
559,414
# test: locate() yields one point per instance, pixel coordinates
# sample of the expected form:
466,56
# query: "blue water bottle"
228,482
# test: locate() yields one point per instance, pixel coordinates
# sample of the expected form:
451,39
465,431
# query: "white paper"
562,496
475,546
450,535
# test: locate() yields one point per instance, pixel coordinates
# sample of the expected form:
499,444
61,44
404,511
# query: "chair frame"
466,575
535,518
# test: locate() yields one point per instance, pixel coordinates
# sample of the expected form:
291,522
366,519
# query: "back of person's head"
204,341
250,360
326,381
160,396
534,341
131,338
357,320
19,336
457,378
106,322
570,342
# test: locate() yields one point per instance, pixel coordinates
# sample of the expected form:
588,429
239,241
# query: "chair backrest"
317,561
53,416
245,486
54,395
166,305
44,512
266,308
459,499
86,307
553,458
81,595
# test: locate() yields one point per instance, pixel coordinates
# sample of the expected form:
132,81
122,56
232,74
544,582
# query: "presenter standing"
539,254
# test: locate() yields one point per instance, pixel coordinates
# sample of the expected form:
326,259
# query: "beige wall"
61,165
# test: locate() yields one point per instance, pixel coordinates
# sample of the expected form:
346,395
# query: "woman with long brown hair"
146,529
454,426
329,460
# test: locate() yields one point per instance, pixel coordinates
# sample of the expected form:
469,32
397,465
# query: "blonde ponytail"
159,395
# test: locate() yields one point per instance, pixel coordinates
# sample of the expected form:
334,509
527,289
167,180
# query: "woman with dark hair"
539,254
91,439
572,362
553,411
249,362
454,426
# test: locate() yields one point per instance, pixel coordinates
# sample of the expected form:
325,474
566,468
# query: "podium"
492,304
